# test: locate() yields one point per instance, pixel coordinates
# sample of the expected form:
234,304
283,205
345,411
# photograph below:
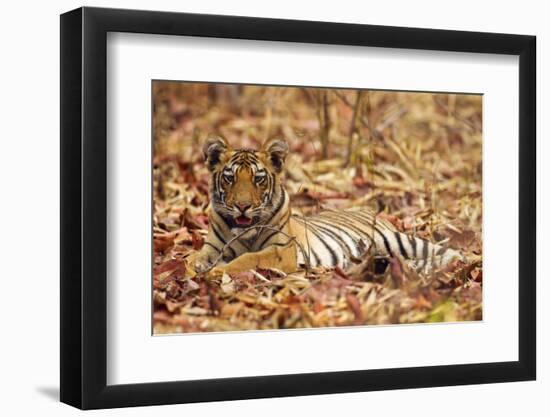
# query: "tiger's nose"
243,206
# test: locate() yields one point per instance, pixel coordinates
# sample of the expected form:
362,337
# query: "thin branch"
392,118
377,130
324,121
342,97
454,113
353,126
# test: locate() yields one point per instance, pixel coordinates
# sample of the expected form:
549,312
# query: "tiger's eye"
258,179
228,177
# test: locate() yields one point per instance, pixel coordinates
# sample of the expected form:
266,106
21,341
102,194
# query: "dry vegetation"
413,157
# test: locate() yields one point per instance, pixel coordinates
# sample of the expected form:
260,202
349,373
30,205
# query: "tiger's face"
245,186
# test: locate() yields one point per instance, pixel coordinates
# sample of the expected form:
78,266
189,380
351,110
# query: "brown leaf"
396,271
461,240
162,244
396,221
183,236
476,274
421,302
169,265
244,276
355,306
198,240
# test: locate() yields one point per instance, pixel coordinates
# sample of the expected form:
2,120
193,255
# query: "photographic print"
279,207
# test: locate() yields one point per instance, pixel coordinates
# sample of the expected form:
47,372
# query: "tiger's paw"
215,273
200,266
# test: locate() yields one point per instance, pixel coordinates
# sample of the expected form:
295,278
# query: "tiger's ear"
214,149
276,150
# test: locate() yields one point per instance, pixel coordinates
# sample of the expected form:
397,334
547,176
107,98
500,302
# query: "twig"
454,113
388,121
324,121
260,276
343,98
364,118
353,126
377,130
269,114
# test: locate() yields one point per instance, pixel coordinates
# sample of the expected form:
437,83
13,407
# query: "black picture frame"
84,207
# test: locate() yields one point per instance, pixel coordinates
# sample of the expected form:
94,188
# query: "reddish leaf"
197,240
355,306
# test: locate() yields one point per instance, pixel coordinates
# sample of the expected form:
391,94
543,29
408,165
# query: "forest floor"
415,158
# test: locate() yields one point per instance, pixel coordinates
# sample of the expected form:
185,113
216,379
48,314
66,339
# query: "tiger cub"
251,224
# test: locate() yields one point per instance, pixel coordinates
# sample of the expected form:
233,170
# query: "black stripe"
352,226
274,232
342,227
439,253
277,210
331,233
271,186
359,232
267,239
424,253
361,219
221,239
386,243
246,245
317,259
268,193
342,243
212,246
243,156
310,249
412,241
368,217
401,247
217,182
333,256
279,206
218,234
370,221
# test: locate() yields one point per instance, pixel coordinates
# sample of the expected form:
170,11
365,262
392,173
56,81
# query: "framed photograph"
256,208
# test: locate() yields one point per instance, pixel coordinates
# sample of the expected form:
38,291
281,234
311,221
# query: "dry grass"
413,157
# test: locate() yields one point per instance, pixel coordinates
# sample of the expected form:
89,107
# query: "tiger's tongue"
243,221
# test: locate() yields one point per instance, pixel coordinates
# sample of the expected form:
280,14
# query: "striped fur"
337,237
252,225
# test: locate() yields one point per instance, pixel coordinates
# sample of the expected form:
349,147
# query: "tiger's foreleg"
280,257
202,260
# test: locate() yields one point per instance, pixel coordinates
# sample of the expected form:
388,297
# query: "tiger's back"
340,237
